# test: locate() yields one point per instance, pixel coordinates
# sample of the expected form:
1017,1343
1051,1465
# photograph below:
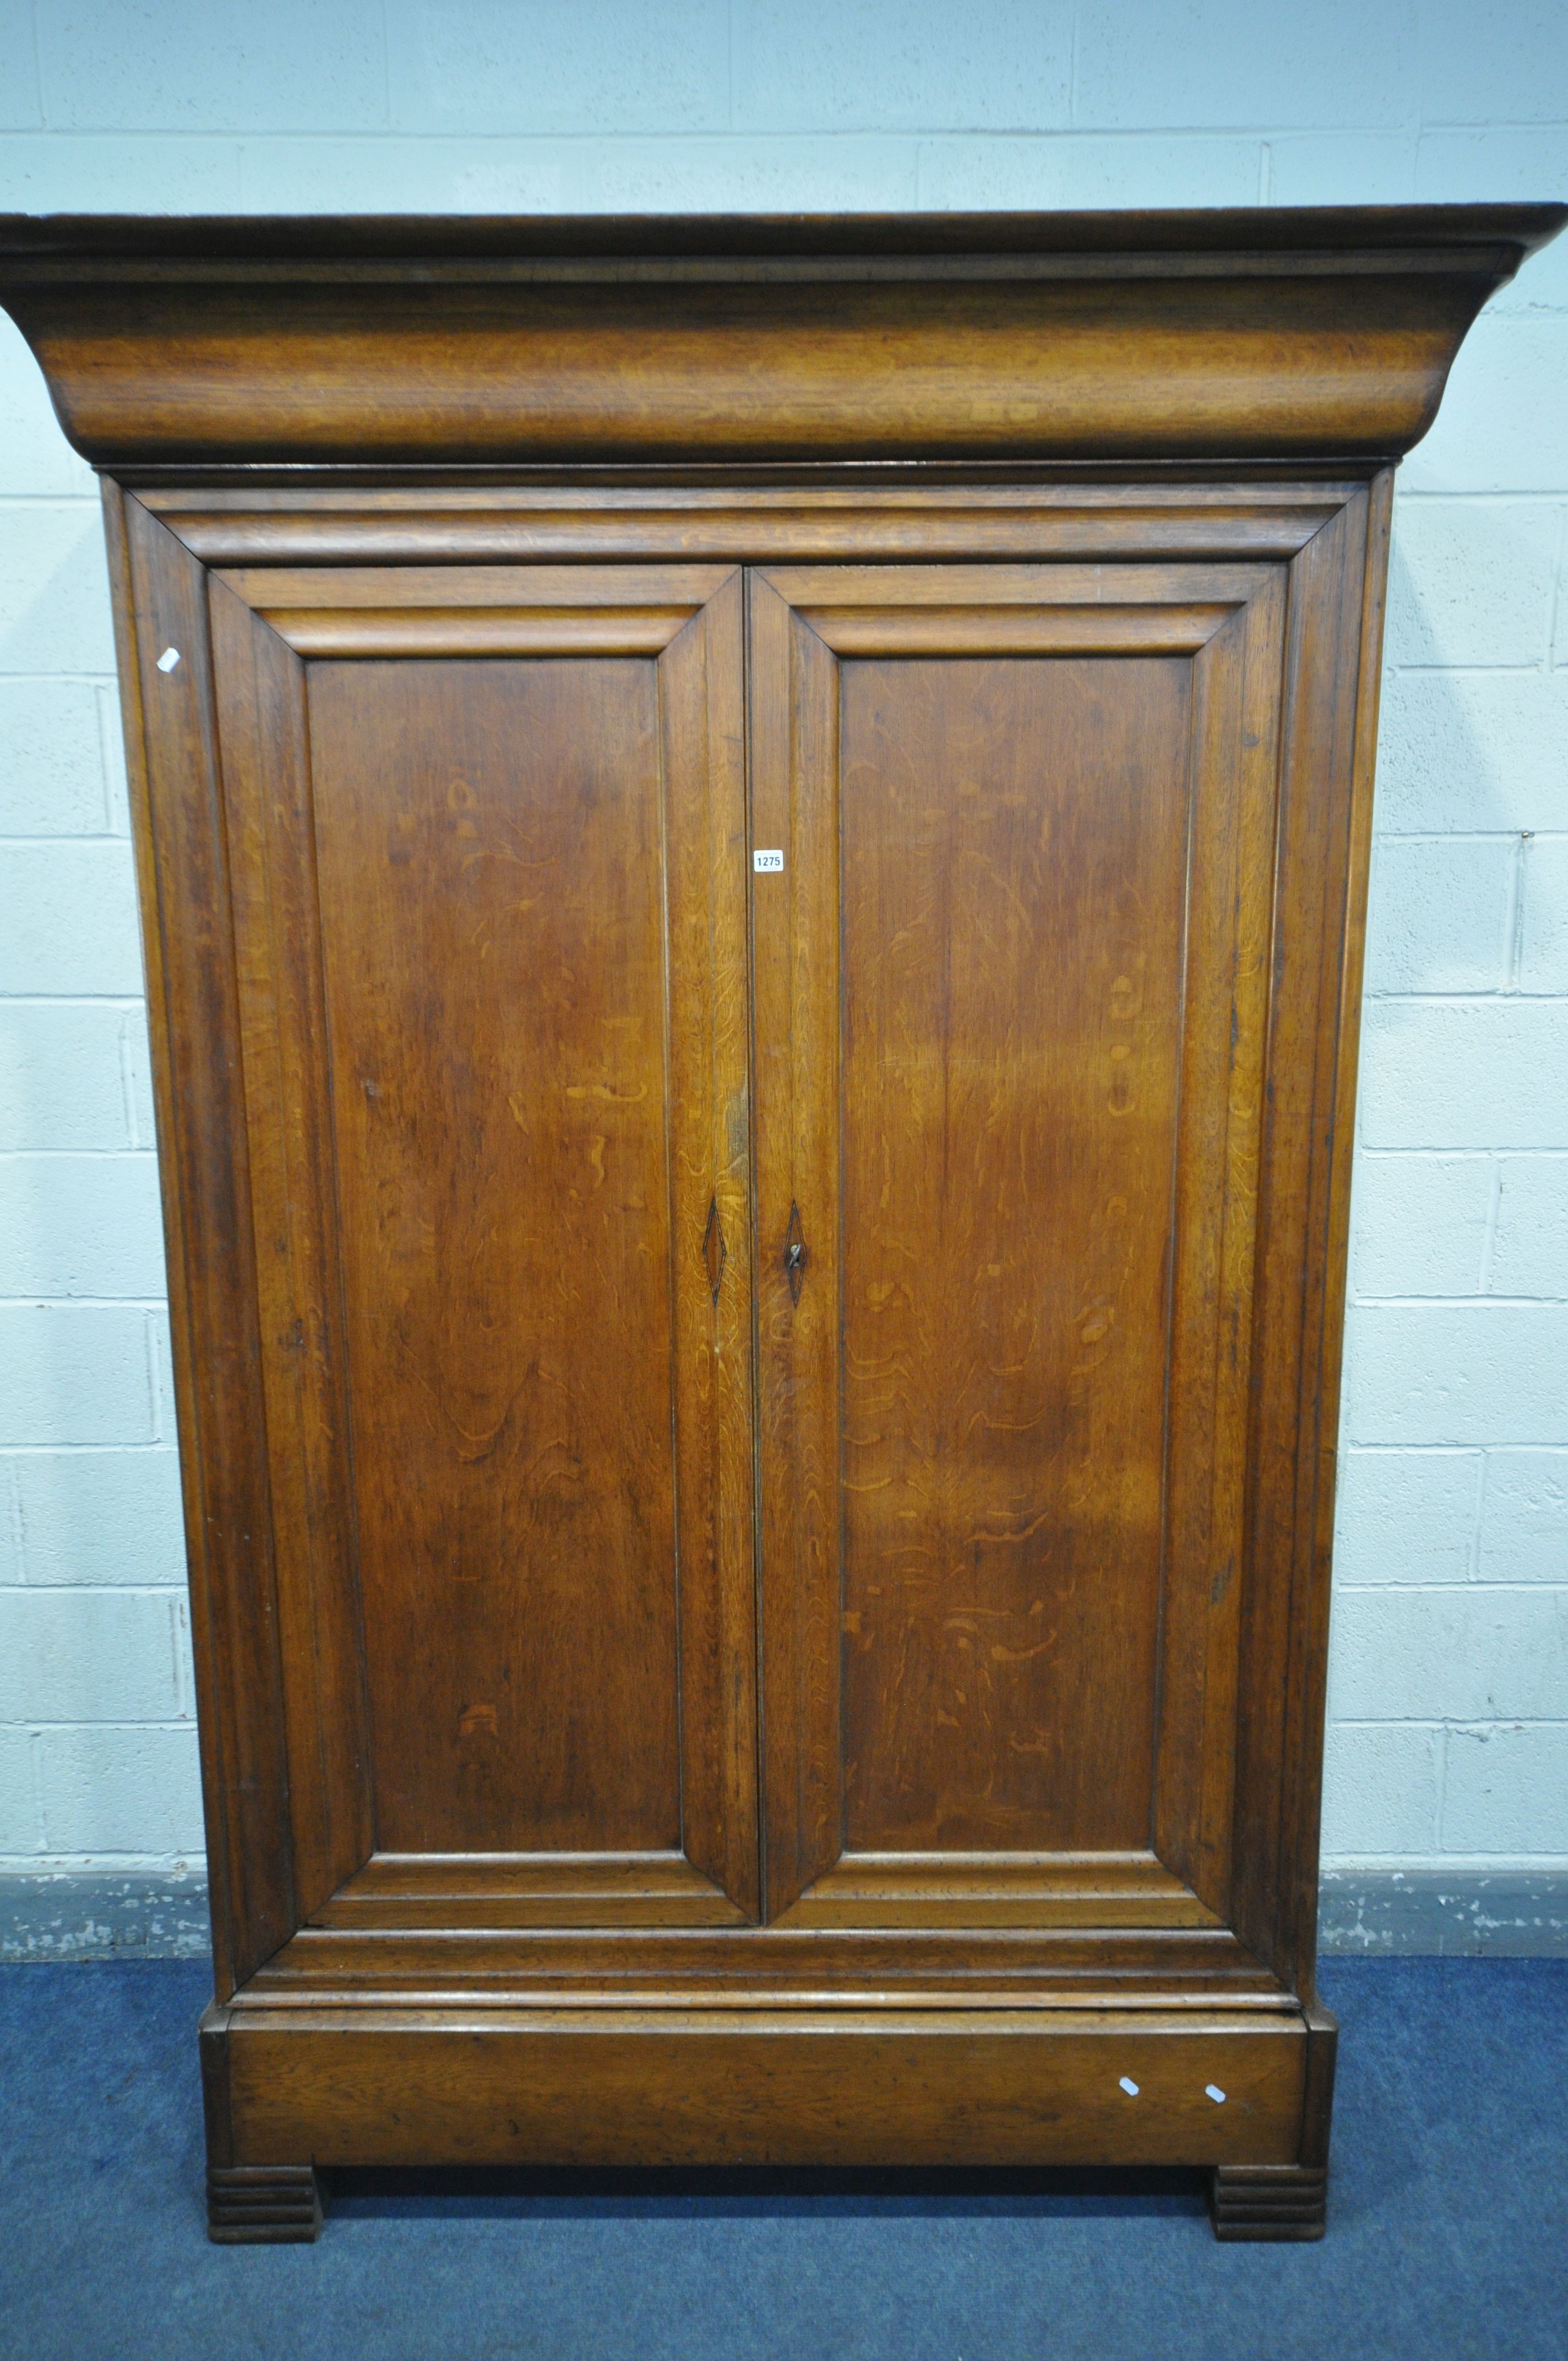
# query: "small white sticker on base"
767,862
1130,2087
1214,2093
168,660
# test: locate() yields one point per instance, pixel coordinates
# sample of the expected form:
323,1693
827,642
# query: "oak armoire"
752,840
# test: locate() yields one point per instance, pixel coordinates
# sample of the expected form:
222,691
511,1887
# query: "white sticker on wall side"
767,862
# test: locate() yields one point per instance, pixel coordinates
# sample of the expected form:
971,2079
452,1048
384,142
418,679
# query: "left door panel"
480,833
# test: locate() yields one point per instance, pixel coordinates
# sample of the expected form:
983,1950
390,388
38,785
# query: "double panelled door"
751,1078
724,1419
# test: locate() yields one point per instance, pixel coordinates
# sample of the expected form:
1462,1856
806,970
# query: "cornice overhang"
1292,335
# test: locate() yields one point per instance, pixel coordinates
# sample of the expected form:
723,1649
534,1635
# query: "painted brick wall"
1449,1708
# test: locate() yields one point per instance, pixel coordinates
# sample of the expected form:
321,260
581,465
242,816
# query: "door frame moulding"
709,515
1117,592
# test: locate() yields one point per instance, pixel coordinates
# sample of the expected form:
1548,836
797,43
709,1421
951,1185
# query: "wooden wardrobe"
753,838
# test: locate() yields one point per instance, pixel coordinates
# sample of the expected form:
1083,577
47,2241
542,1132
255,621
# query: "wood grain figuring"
217,2109
796,935
1185,336
757,1439
500,1114
501,1890
1014,853
704,757
1318,2094
745,372
1083,1889
668,808
852,1966
273,887
182,875
617,2087
752,518
1318,886
1037,1112
1304,1771
1235,754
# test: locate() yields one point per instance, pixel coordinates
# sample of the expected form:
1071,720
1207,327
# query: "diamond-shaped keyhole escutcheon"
714,1252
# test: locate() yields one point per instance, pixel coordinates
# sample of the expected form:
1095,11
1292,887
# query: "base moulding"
293,2088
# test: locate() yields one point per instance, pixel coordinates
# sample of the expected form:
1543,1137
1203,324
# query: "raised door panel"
490,861
486,839
1012,987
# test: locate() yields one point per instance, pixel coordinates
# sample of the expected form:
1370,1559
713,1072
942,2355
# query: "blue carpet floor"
1448,2223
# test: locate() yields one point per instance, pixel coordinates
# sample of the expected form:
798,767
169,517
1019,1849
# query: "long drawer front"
606,2086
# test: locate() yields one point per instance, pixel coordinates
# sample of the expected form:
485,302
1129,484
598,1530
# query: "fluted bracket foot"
1269,2201
263,2204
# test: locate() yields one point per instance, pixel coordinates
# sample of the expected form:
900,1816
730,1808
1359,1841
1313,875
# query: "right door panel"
1010,988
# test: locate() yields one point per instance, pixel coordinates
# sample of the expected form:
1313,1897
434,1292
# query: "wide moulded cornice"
1290,334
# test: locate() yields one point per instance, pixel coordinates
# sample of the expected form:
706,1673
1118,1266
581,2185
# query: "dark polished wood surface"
758,1433
406,244
1220,334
